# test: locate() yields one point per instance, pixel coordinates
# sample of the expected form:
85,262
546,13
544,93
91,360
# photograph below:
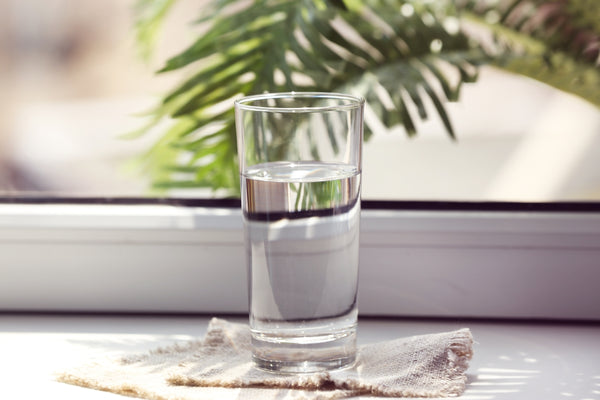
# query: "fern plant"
398,54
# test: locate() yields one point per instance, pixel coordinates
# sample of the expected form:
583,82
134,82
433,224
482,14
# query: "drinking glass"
300,172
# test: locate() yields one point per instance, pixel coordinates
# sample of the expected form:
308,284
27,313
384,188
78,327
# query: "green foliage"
150,16
556,42
405,57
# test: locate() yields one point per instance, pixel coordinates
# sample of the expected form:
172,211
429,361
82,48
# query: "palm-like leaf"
556,42
151,14
399,54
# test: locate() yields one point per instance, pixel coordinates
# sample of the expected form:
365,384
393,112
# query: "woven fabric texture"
220,367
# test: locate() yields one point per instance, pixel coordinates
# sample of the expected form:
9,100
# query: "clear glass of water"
300,169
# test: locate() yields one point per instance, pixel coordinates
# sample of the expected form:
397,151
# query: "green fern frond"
408,58
150,15
553,41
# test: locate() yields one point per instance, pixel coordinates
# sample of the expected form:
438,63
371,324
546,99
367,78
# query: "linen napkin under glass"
220,367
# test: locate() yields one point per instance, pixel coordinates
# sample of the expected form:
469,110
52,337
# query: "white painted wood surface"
413,263
511,360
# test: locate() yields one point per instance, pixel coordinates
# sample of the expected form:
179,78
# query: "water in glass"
302,226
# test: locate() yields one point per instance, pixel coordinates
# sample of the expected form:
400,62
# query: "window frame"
418,259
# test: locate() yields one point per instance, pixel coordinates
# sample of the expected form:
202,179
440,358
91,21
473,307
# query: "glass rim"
352,102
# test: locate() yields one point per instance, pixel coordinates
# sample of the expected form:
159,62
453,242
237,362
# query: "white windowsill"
511,360
413,263
162,258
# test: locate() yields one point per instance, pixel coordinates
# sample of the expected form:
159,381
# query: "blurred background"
72,83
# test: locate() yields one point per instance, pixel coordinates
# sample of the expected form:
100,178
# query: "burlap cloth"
220,367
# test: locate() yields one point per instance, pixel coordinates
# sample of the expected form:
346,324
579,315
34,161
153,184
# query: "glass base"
304,354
